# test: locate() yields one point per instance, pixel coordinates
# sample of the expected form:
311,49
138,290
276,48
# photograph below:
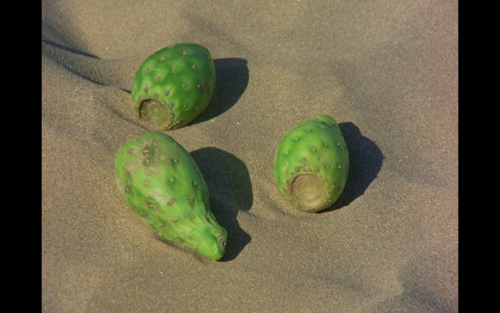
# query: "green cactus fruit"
311,164
173,86
160,180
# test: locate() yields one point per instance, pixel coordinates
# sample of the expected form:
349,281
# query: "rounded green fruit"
173,86
161,182
311,164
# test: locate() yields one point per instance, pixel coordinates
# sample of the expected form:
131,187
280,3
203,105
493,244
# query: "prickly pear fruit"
174,85
160,180
311,164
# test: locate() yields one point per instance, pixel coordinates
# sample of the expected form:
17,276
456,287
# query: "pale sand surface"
387,71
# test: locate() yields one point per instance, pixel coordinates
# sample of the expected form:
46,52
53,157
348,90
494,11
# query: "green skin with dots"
311,164
173,86
160,180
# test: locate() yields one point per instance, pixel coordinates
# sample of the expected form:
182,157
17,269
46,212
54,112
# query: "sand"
387,71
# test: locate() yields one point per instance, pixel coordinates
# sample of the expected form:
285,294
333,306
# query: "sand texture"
387,71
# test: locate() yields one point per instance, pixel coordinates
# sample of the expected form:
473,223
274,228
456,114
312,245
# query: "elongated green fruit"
160,180
311,164
174,85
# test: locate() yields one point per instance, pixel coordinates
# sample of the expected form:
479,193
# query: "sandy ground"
387,71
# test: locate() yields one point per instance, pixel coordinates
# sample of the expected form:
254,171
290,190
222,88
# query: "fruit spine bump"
174,85
161,182
311,164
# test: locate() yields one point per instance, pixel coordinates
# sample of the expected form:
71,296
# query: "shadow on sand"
365,162
230,191
230,83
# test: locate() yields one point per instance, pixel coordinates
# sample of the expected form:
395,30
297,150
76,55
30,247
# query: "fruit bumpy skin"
311,164
174,85
160,180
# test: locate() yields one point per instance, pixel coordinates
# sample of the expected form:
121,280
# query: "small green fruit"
311,164
159,179
174,85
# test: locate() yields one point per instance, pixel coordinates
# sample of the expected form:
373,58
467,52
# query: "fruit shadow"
231,80
365,162
228,182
